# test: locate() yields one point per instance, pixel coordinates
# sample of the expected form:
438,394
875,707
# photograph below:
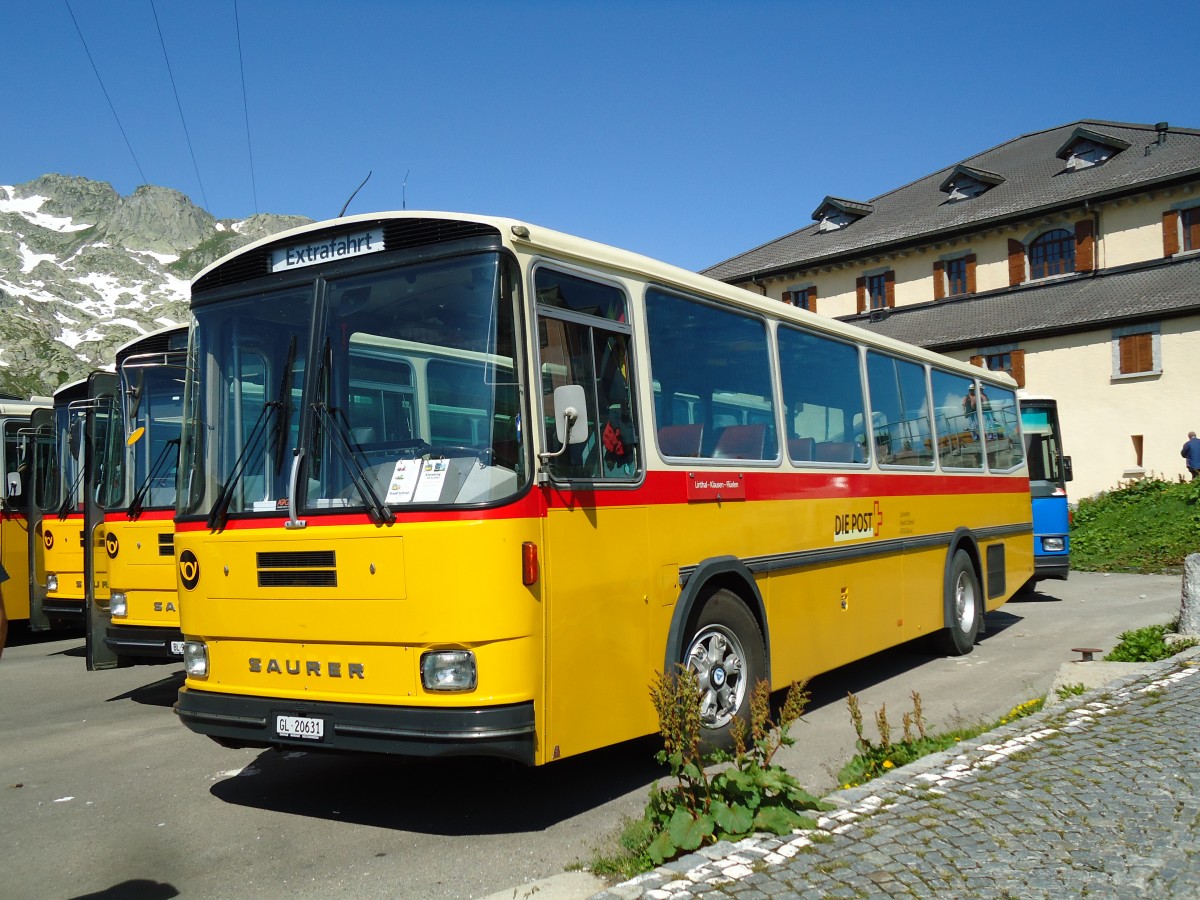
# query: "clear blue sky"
689,131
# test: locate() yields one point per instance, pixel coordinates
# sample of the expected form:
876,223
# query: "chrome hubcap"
718,661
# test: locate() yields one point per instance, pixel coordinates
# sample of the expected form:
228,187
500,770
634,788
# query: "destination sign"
340,246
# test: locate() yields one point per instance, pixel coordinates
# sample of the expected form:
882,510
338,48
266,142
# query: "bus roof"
528,239
152,342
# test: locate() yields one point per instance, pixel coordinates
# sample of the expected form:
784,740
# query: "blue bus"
1049,472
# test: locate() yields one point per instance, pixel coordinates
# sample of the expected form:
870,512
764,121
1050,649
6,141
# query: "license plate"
177,648
304,727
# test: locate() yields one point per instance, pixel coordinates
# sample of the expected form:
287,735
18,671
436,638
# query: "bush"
1144,526
1148,644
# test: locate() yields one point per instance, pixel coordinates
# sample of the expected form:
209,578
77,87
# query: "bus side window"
957,433
733,391
588,346
822,392
899,410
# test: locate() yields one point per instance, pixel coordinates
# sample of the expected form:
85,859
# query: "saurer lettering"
308,667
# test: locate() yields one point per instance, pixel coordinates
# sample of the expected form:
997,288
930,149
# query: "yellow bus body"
338,610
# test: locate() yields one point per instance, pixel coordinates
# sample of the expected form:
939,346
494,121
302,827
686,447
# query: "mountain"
84,270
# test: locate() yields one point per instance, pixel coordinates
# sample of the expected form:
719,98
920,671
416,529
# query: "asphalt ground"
104,794
1097,796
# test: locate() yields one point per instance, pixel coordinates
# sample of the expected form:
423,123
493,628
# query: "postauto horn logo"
110,545
189,569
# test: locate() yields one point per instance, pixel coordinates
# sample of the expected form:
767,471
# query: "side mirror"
1068,475
12,485
570,419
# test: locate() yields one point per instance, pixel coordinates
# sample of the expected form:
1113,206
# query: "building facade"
1068,257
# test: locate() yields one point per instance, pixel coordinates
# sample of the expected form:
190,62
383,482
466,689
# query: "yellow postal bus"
462,485
136,497
60,494
16,492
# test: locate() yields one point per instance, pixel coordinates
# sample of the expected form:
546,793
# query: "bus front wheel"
727,657
965,606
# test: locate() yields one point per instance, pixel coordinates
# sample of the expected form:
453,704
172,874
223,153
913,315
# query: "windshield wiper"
68,504
216,517
340,439
135,505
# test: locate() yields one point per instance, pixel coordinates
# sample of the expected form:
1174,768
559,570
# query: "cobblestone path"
1096,798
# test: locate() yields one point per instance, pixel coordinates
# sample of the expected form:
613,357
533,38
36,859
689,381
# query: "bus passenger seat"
741,442
801,448
834,451
680,440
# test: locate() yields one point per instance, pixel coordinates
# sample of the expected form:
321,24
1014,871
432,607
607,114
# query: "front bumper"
134,640
238,720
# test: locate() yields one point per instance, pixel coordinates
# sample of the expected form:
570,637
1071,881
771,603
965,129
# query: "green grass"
1146,526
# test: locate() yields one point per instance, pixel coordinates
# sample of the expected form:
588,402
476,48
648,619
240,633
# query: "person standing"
1191,454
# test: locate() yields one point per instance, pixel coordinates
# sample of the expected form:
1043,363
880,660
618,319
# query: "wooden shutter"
1170,232
1017,360
1137,353
787,297
860,287
1016,262
970,273
889,288
1085,245
977,361
939,280
812,299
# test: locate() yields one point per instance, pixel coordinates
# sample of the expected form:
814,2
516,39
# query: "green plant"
1070,690
1147,644
748,793
875,759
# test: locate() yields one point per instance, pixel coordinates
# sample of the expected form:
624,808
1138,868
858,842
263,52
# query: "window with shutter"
1191,228
1137,353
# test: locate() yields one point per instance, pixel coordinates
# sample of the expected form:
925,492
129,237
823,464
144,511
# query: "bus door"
595,562
14,520
98,428
44,474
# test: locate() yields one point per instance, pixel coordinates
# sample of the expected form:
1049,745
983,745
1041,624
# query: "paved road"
101,789
1096,798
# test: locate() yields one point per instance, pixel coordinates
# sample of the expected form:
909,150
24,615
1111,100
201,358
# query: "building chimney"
1161,128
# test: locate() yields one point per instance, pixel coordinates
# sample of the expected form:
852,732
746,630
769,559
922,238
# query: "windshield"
1040,424
65,494
140,473
410,396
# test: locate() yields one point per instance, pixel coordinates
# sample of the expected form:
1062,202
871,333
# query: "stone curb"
725,862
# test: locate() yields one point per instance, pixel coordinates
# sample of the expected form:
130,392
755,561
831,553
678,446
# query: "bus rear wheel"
965,604
726,655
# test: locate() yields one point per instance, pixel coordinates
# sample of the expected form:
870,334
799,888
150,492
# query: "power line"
104,90
179,105
245,106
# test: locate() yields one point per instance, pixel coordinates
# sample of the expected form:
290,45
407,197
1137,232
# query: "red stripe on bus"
670,487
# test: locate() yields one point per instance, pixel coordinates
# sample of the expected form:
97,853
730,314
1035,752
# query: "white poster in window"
433,476
404,481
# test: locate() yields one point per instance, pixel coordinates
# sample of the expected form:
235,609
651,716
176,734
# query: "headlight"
52,583
195,659
117,605
1052,544
448,670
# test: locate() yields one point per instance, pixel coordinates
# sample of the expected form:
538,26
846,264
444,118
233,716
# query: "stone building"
1069,257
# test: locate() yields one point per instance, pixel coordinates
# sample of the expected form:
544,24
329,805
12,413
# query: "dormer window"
966,183
835,213
1086,148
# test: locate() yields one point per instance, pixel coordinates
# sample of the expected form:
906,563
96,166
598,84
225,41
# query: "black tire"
727,654
964,600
